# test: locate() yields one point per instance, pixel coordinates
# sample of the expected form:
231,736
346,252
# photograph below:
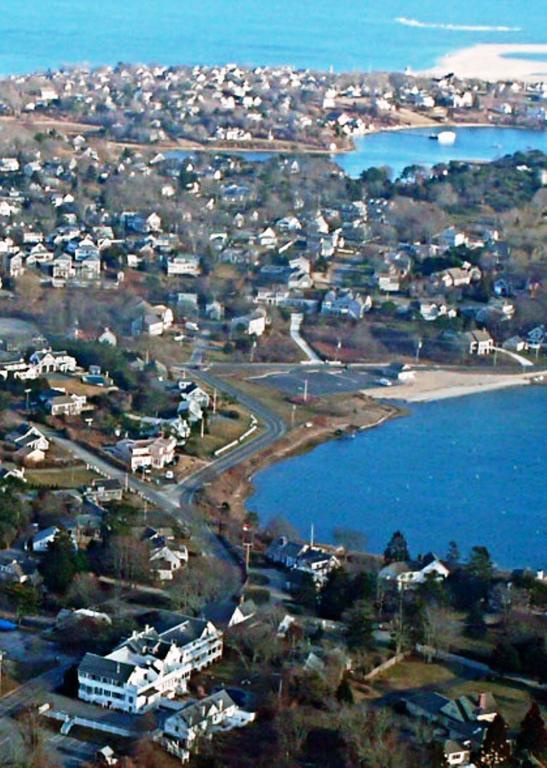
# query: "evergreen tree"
496,749
475,625
533,734
305,592
506,657
397,549
60,563
453,554
358,623
344,694
480,565
334,595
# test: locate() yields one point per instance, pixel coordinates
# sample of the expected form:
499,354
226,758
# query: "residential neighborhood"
198,295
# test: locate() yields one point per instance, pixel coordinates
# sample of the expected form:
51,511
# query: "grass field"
67,477
453,681
221,431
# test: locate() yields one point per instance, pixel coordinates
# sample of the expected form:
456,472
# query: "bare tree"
441,630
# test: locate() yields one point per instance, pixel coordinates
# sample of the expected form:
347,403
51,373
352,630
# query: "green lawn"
452,681
67,477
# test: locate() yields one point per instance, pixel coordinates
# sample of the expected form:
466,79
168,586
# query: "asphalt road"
178,499
33,691
272,429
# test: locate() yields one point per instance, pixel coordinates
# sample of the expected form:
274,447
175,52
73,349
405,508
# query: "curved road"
178,499
272,429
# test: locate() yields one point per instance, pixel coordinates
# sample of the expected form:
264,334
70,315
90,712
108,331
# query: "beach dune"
493,62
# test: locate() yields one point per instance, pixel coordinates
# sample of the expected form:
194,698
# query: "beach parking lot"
321,382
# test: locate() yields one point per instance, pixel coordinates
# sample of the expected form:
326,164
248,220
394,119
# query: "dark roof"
314,556
428,701
189,629
221,613
116,671
108,484
196,712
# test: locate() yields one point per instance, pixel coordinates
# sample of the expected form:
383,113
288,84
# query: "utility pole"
419,346
27,393
293,413
247,546
214,400
305,390
202,431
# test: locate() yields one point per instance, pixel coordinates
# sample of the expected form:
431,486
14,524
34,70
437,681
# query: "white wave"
454,27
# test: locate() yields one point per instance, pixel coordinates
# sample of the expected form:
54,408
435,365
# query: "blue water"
399,149
347,34
470,469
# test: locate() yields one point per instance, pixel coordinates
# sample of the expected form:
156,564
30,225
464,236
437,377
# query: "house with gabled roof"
407,575
27,436
465,719
149,666
202,718
315,561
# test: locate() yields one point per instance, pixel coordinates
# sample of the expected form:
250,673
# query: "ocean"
470,469
344,34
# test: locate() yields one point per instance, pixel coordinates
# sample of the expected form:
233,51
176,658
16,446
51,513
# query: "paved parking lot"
321,381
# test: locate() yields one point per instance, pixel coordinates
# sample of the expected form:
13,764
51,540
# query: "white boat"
444,137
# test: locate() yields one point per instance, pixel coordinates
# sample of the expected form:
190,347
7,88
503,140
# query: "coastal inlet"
470,469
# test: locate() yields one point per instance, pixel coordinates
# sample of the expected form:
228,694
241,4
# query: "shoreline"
237,484
255,146
492,62
430,386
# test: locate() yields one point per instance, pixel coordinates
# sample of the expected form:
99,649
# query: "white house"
66,405
451,238
45,361
345,303
186,264
149,666
190,391
28,436
478,342
407,575
108,337
306,558
253,324
202,718
153,453
165,562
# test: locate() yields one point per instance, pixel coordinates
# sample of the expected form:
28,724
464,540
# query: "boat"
444,137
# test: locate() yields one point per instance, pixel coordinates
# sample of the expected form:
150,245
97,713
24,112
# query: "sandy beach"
443,384
492,62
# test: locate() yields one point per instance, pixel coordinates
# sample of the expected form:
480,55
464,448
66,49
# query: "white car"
384,382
